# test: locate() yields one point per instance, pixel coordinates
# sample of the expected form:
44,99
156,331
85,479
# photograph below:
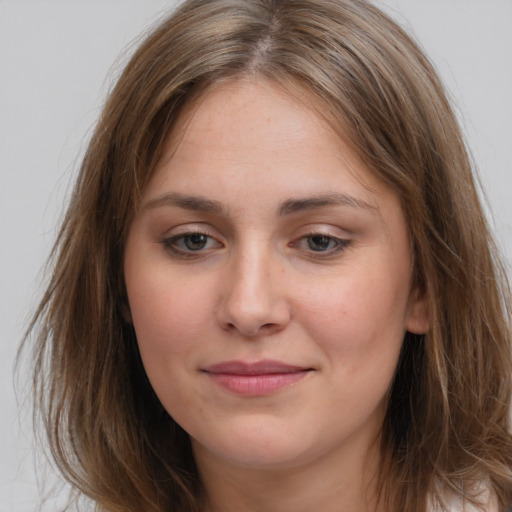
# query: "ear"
418,320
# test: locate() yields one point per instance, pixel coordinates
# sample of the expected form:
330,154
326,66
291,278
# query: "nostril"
255,330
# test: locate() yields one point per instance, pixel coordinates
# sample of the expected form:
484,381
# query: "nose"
254,301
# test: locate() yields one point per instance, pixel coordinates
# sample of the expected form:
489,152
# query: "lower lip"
257,385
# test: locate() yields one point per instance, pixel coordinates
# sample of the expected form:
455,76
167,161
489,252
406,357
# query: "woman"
275,288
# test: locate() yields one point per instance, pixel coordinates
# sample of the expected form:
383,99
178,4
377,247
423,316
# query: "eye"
193,242
187,244
319,244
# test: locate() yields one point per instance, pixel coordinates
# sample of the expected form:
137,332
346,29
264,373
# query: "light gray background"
58,58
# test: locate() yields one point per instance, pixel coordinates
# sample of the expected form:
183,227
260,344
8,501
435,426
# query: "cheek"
168,319
166,313
359,316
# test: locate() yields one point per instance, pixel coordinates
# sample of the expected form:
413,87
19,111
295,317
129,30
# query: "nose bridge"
254,299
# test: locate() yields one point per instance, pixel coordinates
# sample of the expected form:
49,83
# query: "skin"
322,284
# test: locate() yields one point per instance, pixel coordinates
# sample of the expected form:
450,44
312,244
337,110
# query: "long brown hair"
447,426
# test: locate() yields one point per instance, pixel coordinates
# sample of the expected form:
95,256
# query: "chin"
256,445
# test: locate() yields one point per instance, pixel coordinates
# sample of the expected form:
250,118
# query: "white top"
457,505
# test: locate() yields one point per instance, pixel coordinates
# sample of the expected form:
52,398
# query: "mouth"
255,379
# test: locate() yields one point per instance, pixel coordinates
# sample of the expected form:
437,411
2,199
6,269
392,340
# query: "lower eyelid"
340,244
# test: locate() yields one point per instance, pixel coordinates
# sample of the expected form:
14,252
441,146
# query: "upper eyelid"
327,230
190,229
326,226
324,230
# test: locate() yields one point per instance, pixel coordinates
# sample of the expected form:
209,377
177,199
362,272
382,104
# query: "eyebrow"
288,207
187,202
334,199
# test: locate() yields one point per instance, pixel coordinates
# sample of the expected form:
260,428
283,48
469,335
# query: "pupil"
195,241
319,242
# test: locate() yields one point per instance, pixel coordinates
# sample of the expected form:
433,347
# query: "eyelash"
171,245
340,245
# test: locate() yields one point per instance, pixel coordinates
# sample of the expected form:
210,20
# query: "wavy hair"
447,424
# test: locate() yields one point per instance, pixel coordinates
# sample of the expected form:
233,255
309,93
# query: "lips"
255,379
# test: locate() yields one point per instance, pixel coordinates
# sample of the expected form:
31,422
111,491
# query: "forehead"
265,124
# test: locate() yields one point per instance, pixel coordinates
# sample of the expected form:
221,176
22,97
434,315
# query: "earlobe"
418,313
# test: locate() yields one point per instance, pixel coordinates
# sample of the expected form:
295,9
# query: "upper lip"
253,368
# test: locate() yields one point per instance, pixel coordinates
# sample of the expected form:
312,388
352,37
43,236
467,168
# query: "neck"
330,485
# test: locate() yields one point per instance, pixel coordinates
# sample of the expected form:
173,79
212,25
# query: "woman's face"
269,283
